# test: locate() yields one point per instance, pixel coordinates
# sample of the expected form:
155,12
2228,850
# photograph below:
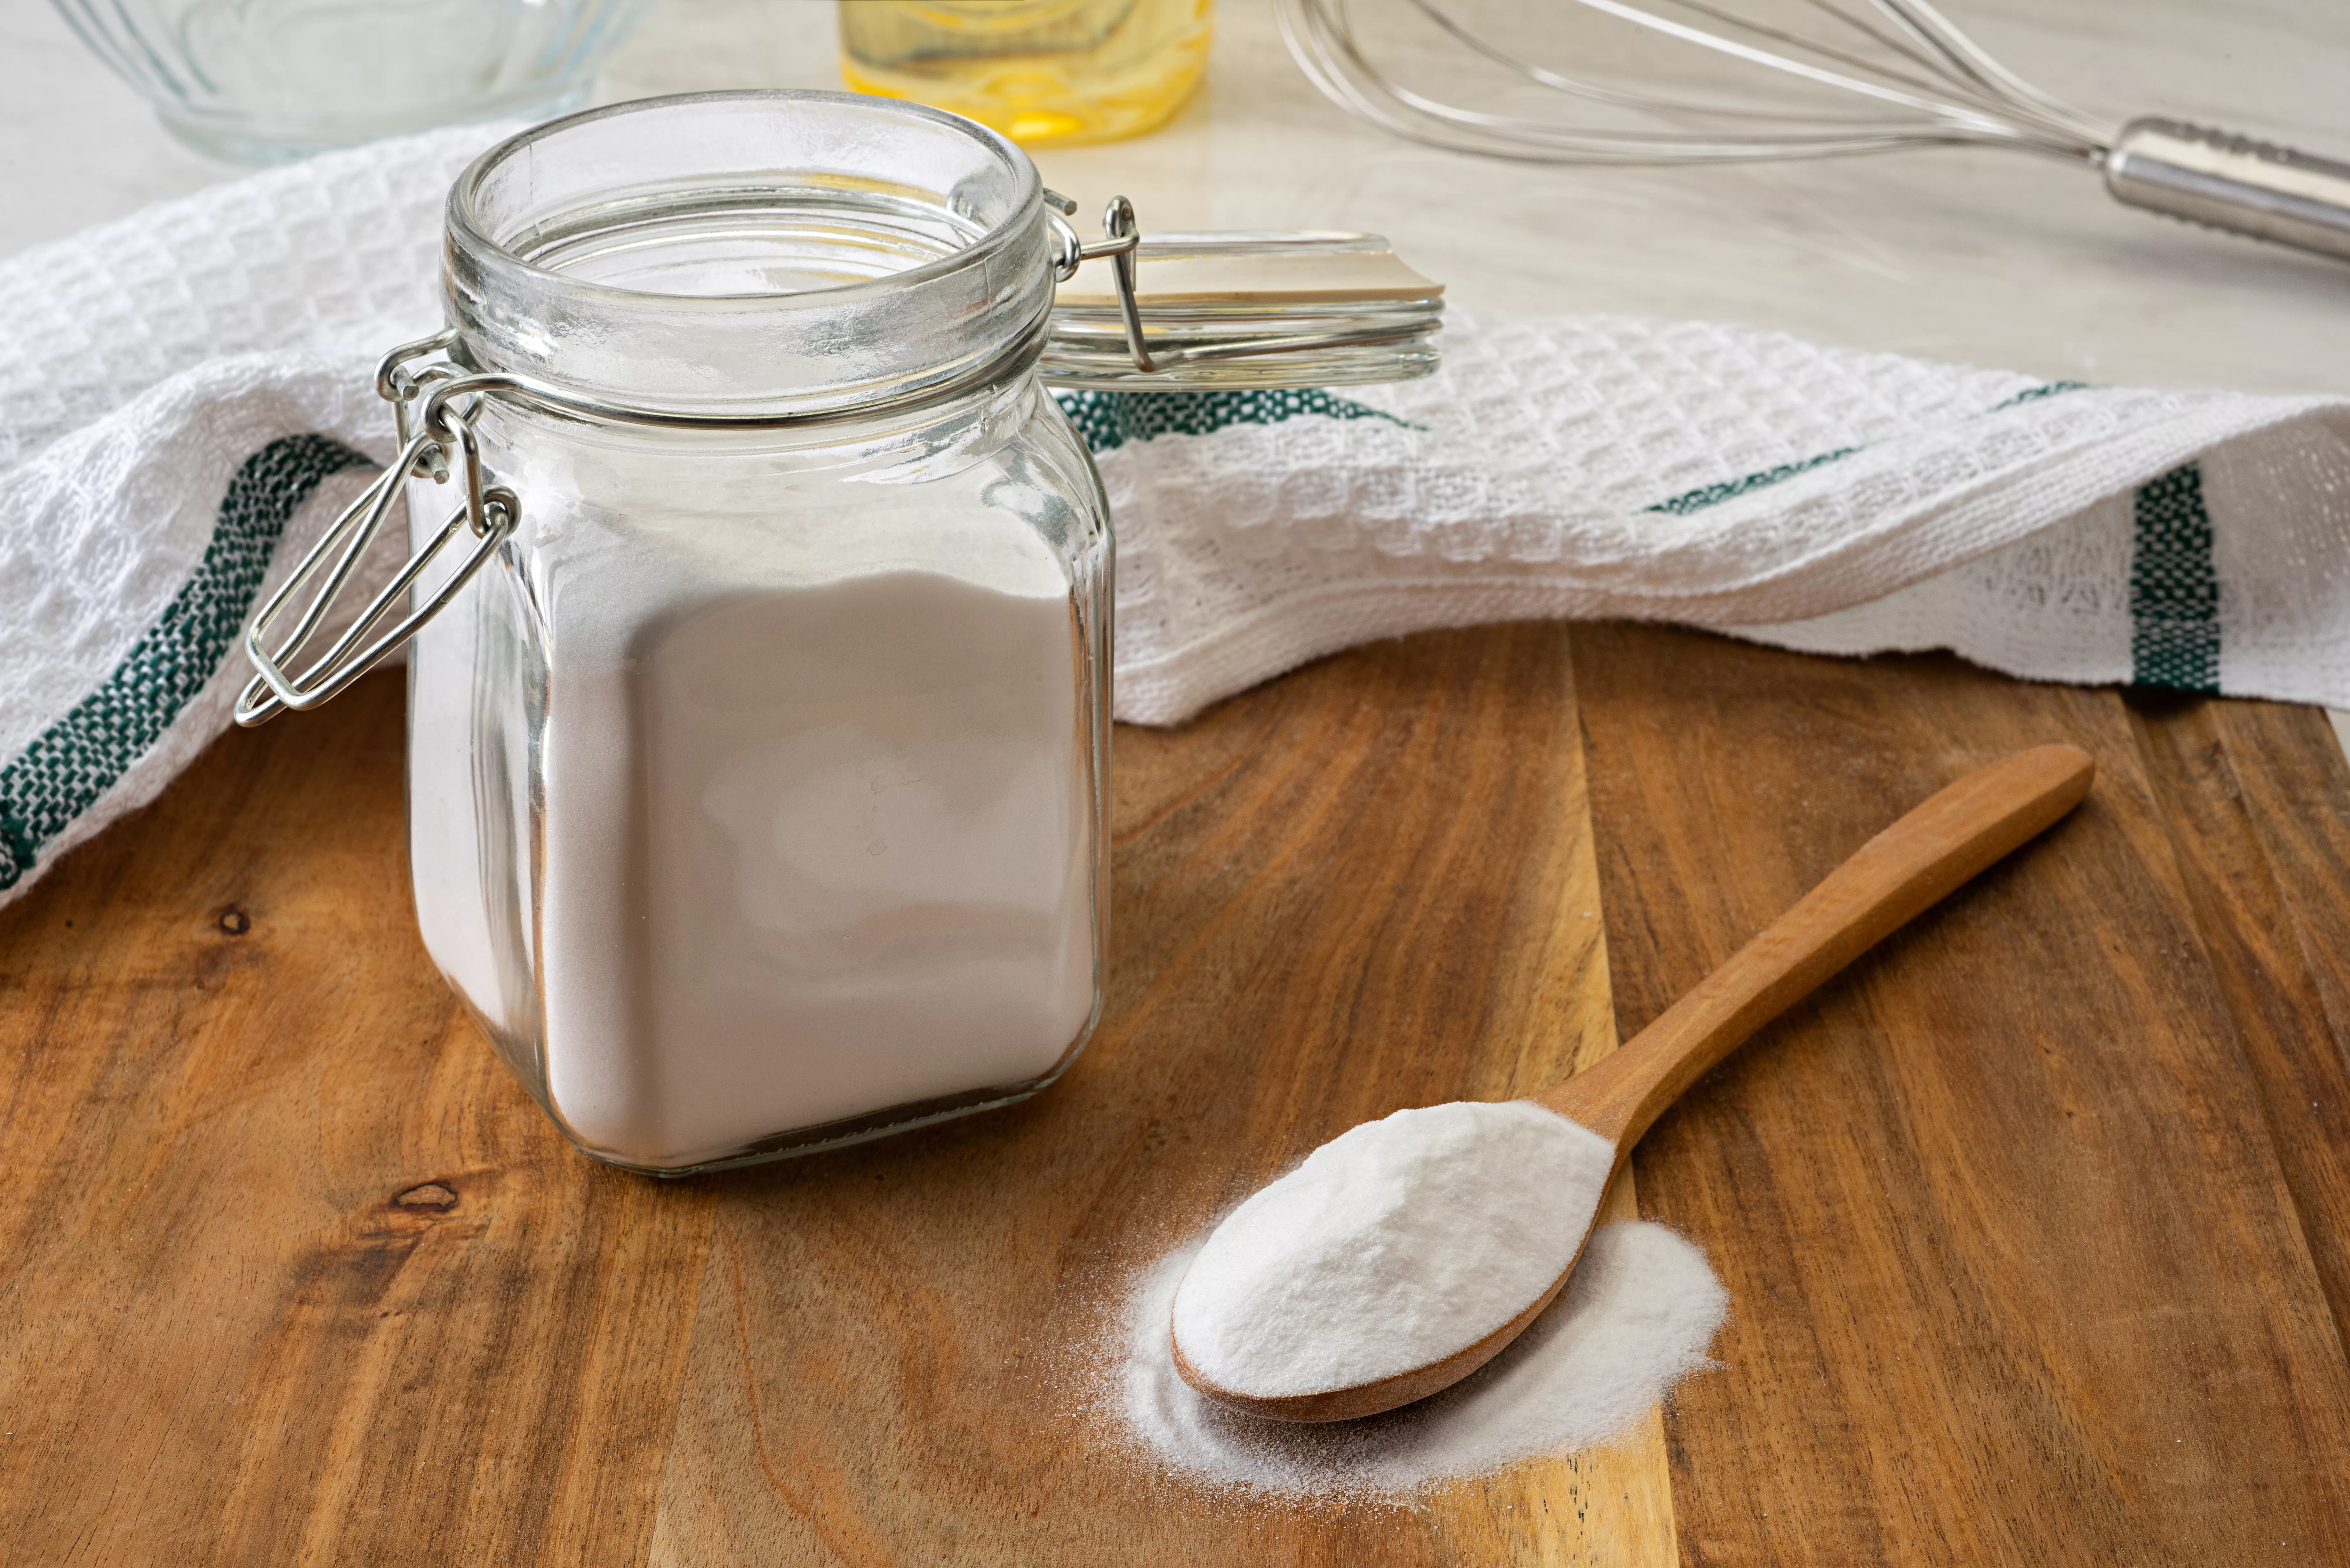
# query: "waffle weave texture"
185,400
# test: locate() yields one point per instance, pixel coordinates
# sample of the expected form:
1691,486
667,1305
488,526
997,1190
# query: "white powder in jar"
1393,1245
816,839
1637,1316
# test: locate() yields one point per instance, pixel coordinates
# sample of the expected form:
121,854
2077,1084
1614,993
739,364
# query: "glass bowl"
259,81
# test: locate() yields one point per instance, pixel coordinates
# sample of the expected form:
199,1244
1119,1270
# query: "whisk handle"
2232,183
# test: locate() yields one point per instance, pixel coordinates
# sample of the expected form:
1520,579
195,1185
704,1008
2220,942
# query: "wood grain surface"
2034,1220
1922,857
2018,1274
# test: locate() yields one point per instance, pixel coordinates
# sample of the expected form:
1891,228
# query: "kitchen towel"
184,398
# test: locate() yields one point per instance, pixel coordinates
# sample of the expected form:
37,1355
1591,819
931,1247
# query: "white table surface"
1987,257
1980,256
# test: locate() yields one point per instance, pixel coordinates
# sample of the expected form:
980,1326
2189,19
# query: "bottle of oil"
1038,70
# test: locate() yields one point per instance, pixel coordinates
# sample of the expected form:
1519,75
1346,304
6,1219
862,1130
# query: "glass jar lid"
741,252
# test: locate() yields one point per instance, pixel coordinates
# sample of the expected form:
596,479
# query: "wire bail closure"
434,406
444,436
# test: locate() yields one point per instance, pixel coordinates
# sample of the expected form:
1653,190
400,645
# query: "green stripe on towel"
77,760
2174,585
1108,421
2033,394
1706,496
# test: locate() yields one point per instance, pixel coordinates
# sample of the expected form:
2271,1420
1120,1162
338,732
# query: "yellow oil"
1059,71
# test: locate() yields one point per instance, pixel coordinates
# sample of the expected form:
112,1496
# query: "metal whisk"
1920,81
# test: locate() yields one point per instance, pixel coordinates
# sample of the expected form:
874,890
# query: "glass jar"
759,697
757,791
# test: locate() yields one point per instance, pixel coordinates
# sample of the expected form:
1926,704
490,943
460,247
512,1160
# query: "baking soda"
816,835
1392,1246
1637,1316
1395,1245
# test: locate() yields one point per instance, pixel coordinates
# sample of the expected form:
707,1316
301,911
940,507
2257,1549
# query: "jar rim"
466,228
938,226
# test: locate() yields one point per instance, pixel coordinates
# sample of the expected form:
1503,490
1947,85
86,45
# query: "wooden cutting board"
2035,1224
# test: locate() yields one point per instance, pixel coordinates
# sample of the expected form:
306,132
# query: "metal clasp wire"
490,511
1122,238
1122,242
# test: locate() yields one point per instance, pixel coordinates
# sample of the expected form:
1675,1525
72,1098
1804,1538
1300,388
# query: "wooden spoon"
1895,876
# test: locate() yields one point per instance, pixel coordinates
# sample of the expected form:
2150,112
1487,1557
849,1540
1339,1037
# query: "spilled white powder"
1636,1315
1393,1245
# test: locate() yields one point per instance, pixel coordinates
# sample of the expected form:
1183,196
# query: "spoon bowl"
1893,878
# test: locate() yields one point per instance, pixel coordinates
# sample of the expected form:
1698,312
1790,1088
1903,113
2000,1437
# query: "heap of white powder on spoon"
1393,1245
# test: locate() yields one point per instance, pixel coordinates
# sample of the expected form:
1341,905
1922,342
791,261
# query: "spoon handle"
1895,876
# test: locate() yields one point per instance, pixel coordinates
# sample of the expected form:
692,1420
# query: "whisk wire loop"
1925,81
1931,87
